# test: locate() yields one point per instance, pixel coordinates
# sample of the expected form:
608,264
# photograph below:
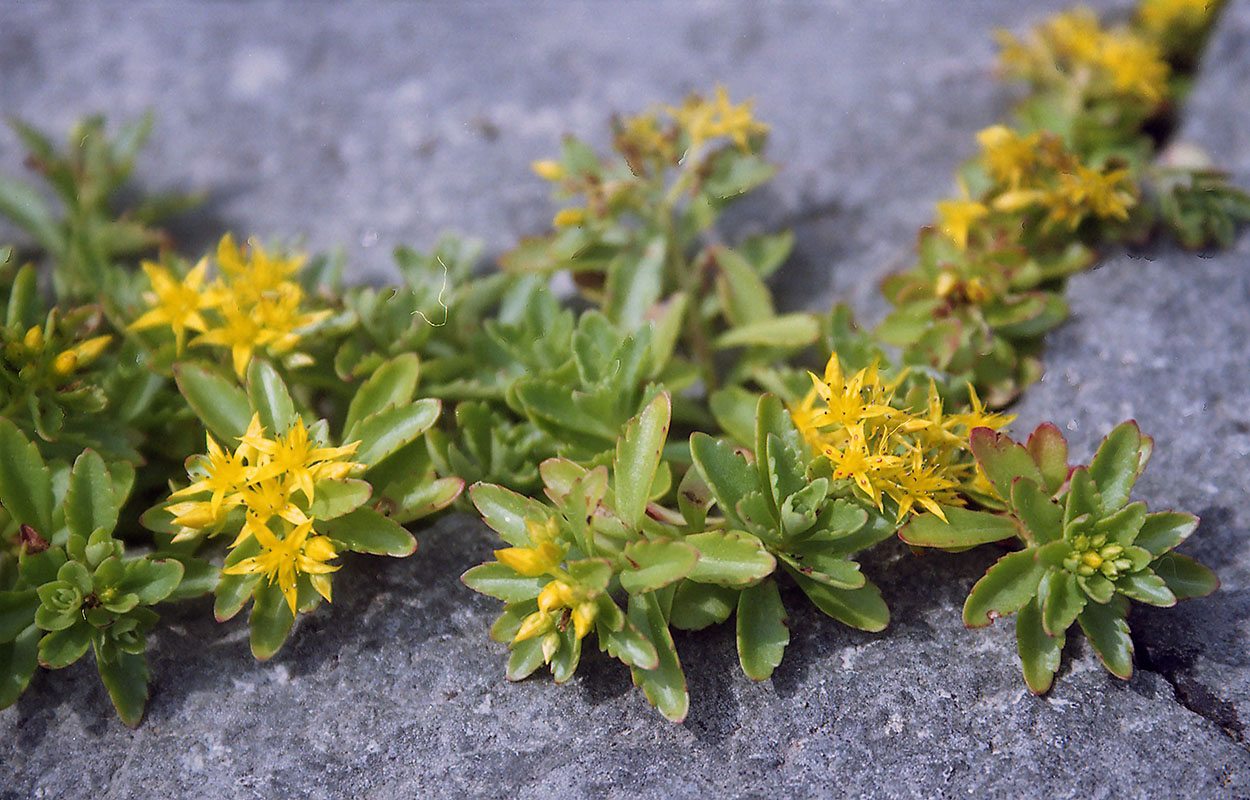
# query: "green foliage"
654,454
74,587
1087,549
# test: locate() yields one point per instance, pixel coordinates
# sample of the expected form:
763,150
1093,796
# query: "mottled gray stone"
405,120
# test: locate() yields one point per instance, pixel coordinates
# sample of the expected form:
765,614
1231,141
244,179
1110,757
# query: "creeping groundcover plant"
665,454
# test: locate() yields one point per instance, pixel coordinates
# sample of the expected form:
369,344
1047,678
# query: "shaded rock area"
370,128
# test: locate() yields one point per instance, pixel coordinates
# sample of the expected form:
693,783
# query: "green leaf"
1099,589
1039,652
860,608
505,512
17,613
270,622
61,648
391,385
655,564
232,594
1122,526
18,661
1185,577
788,330
962,528
199,576
822,568
25,484
269,397
40,568
664,686
1165,530
366,531
383,433
630,645
151,579
502,582
1061,600
421,495
634,284
694,497
221,405
762,631
725,471
333,499
1146,587
1042,517
1120,459
637,458
29,212
1108,634
1050,452
744,295
698,605
89,500
526,656
1003,460
25,307
126,679
1004,589
734,409
564,661
509,622
733,558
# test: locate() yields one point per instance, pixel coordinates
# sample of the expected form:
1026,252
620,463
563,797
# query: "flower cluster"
254,305
1072,50
915,457
562,601
273,482
1034,182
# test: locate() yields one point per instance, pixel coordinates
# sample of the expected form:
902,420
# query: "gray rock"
402,121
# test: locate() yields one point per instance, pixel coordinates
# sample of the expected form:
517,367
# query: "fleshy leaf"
733,558
655,564
638,454
963,528
1039,652
698,605
1119,460
664,686
1108,634
1004,589
762,631
1185,577
392,384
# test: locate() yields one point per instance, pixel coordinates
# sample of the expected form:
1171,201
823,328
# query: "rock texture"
371,128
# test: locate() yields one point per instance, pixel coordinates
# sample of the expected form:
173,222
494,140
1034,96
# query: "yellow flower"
923,484
705,120
956,218
174,303
1161,17
255,272
978,417
870,469
301,461
569,217
299,552
532,561
1088,191
1135,65
548,170
225,475
1008,156
555,597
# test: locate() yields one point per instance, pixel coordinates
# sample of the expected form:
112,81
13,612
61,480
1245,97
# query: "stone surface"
406,120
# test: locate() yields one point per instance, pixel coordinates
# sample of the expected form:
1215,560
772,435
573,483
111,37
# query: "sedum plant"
289,499
69,586
655,454
1086,551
